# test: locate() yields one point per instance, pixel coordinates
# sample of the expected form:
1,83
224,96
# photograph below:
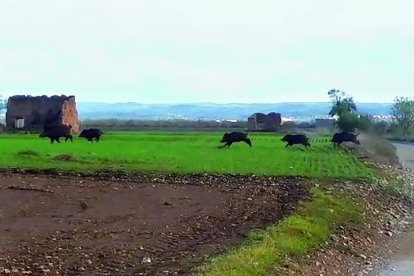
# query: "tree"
403,113
347,121
345,108
341,103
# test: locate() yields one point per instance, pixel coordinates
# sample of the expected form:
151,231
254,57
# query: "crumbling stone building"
264,122
34,113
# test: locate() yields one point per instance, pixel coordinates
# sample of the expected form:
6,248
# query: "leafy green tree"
341,103
347,121
345,108
403,113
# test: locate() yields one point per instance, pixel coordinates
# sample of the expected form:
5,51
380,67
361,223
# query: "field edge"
265,251
345,227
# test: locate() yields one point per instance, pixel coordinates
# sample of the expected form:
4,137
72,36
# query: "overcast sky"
171,51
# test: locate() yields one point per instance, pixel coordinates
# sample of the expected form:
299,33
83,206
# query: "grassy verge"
295,236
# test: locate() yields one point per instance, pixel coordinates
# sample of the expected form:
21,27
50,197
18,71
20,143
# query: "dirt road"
84,226
402,263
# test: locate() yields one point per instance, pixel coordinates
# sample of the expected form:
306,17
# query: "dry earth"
72,225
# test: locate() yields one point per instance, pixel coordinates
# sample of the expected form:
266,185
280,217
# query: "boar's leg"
248,142
222,146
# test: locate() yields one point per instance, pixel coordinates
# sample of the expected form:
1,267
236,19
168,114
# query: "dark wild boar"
344,136
233,137
90,134
293,139
55,132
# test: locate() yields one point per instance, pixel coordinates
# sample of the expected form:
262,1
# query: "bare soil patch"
129,225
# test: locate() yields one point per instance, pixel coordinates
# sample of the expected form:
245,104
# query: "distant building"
263,122
34,113
324,123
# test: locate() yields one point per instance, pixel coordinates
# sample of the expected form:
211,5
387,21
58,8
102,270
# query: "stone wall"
70,114
40,111
264,122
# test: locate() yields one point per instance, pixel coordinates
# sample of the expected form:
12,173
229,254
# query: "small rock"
166,203
146,260
84,205
7,271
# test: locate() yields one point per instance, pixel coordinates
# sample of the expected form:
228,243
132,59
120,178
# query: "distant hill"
92,110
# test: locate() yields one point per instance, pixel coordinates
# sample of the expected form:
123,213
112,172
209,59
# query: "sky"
186,51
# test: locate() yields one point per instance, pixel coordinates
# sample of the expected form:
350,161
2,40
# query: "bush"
347,122
364,123
381,128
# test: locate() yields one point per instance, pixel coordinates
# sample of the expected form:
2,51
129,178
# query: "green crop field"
161,152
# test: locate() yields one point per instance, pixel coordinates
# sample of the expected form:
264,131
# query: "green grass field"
160,152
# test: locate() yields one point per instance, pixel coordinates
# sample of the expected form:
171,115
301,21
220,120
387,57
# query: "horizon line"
228,103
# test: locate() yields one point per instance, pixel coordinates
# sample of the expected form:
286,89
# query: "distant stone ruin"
34,113
263,122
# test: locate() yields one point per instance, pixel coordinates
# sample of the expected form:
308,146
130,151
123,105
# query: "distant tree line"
116,124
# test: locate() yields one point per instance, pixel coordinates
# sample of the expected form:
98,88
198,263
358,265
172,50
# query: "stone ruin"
34,113
264,122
